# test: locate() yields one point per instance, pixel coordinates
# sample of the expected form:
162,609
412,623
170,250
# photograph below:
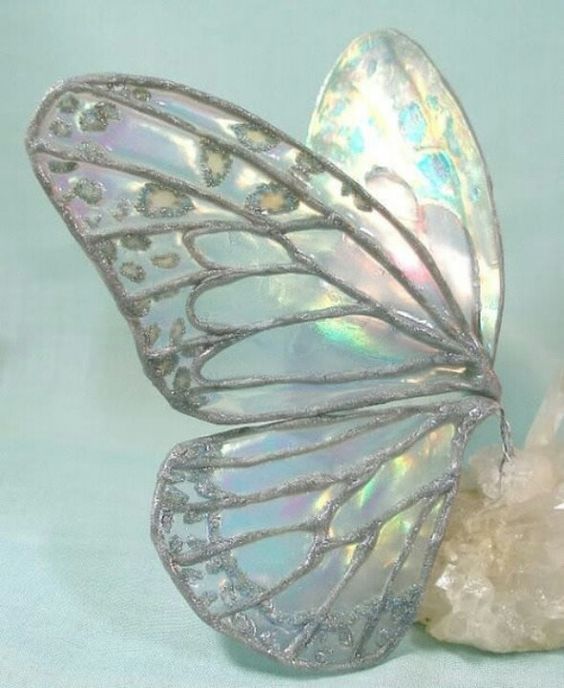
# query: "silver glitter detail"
326,639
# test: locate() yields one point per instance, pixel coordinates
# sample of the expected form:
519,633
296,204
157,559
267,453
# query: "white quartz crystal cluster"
498,581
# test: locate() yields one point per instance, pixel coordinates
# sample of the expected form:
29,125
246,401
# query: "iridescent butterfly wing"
342,300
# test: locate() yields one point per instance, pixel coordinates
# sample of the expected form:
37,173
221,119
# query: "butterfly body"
341,300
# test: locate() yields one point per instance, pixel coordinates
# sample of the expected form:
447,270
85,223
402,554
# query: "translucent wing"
388,119
311,540
260,282
263,284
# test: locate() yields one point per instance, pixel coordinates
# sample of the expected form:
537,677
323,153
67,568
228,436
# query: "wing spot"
139,307
89,191
140,93
128,91
97,116
271,199
107,250
62,166
68,103
60,128
158,201
306,166
136,242
254,138
215,163
133,272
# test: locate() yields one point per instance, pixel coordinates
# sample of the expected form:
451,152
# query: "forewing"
311,540
388,119
260,281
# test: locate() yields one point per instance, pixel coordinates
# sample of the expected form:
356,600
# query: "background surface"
84,602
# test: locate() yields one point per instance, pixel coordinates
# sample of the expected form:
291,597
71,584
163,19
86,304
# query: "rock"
498,580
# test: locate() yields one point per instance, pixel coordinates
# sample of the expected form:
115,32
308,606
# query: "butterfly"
339,302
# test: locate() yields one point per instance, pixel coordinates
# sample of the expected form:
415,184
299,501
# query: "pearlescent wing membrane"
311,540
260,281
387,118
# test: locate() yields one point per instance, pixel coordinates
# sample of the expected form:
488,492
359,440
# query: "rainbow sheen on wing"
257,279
386,116
263,283
310,539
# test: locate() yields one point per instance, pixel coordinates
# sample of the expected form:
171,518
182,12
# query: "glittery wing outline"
146,172
131,218
322,564
387,117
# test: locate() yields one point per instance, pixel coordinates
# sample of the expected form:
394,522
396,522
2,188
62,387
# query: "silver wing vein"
175,248
263,285
320,560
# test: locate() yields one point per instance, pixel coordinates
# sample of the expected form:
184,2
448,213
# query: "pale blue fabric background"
84,602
